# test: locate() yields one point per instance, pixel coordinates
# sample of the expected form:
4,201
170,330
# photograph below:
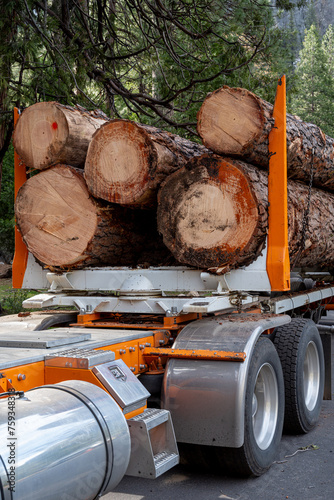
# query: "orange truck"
122,368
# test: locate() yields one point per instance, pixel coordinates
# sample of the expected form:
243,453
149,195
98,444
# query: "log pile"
117,193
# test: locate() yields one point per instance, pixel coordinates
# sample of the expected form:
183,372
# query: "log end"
40,135
120,162
229,120
56,216
208,214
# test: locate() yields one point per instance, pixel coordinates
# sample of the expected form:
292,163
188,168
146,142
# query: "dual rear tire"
284,390
299,347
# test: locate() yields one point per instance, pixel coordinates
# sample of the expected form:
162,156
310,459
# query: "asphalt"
304,470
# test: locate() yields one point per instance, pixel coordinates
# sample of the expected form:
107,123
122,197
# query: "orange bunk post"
278,262
21,251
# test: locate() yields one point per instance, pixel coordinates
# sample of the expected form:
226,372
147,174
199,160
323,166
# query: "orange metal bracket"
278,262
194,354
21,251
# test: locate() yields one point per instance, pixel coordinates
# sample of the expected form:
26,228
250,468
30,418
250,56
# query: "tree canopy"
151,60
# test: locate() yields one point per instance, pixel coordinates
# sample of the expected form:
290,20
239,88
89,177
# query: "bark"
48,133
126,162
236,123
213,214
63,226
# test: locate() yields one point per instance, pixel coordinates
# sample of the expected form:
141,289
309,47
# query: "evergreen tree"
312,101
328,50
312,15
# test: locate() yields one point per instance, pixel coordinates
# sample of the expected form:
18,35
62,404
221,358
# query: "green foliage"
138,59
314,98
12,302
7,206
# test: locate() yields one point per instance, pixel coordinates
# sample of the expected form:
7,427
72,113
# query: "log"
64,227
236,123
48,133
213,214
126,162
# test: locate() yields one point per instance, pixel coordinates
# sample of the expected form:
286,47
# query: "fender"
207,398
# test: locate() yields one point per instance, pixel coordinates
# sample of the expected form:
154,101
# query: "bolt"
122,351
148,344
142,367
132,349
21,376
132,368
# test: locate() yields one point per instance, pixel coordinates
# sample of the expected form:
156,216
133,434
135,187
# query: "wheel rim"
265,406
311,376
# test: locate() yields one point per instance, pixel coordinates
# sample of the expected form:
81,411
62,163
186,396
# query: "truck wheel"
264,414
300,350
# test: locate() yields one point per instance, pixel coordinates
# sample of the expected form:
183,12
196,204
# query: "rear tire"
300,350
264,414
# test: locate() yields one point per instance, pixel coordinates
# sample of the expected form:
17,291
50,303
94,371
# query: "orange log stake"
278,262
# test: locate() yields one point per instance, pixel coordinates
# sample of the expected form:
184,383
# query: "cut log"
126,162
48,133
213,214
235,122
64,227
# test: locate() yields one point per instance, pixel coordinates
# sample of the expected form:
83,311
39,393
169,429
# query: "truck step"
151,417
164,461
153,444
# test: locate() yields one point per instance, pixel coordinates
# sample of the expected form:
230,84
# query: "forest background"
155,61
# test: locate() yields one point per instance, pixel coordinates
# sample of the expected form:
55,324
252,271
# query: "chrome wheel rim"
265,406
311,376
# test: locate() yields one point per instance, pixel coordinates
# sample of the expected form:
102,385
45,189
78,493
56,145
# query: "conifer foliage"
314,97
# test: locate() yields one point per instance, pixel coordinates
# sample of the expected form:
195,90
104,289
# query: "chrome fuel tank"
64,441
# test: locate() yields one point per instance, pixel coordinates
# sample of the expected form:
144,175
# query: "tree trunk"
64,227
48,133
213,214
126,162
237,123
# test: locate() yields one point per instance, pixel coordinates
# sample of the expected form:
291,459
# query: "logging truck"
119,370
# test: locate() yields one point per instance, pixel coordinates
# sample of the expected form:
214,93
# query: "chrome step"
153,445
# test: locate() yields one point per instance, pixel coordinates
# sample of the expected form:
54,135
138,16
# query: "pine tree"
312,101
328,50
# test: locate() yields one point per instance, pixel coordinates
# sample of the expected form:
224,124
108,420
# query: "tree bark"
64,227
213,214
48,133
126,162
236,123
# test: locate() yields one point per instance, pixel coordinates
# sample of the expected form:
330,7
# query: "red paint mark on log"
55,125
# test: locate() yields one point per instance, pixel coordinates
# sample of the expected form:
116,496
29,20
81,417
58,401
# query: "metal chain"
306,219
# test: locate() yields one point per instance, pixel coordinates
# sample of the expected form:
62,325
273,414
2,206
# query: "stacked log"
235,122
213,214
211,209
48,133
126,162
63,226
